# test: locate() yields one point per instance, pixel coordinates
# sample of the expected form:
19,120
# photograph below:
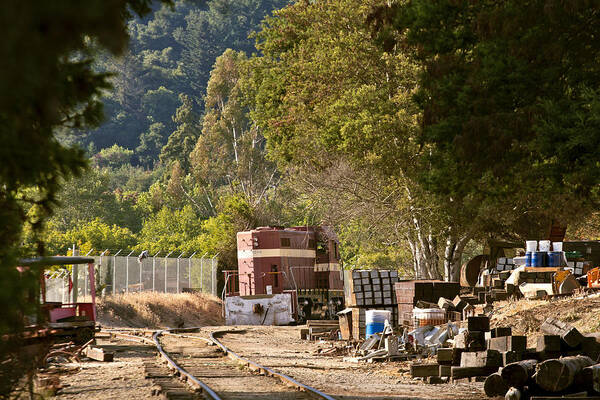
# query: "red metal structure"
76,321
301,260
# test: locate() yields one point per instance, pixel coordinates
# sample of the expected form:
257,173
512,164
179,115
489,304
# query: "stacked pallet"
373,288
505,264
359,320
369,290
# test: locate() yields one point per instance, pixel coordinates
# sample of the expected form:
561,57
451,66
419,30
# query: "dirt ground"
526,316
124,378
282,349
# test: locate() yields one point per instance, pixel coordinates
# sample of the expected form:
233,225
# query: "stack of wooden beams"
408,293
320,329
564,361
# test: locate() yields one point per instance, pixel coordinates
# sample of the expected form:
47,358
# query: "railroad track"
211,370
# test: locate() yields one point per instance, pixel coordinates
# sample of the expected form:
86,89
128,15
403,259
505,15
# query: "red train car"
301,259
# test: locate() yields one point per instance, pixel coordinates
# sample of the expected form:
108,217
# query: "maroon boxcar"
302,259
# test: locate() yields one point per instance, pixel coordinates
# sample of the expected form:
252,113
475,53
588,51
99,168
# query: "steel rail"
184,375
265,370
197,384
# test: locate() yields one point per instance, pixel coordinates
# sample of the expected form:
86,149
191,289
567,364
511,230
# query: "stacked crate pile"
408,293
370,290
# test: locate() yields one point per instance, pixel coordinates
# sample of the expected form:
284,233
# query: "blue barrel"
555,258
375,321
528,257
539,259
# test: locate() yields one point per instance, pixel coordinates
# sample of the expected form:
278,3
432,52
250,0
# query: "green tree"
150,144
230,153
510,100
47,83
95,234
182,141
338,114
113,157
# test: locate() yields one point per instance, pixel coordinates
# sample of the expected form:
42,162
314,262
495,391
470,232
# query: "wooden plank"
487,358
468,372
98,354
568,333
478,323
501,331
508,343
548,343
424,370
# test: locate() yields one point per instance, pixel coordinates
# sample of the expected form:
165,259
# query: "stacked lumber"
409,293
564,361
320,329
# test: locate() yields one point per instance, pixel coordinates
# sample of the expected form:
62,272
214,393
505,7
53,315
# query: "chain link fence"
118,274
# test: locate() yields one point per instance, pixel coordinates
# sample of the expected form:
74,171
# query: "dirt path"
124,378
281,349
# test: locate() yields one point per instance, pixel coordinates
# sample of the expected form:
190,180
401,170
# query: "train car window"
321,247
285,242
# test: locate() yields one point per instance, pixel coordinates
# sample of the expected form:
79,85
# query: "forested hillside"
323,115
176,164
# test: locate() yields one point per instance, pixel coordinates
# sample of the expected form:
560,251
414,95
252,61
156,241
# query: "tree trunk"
453,256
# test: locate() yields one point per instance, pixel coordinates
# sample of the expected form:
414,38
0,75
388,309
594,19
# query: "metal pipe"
202,272
141,264
213,275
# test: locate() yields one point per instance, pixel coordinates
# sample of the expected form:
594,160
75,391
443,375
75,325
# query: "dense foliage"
414,128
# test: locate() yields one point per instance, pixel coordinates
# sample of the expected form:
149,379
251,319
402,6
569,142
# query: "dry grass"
159,310
526,316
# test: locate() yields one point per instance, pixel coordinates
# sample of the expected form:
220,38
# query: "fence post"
86,277
102,255
127,272
154,271
115,271
166,270
202,272
74,278
213,275
178,271
190,270
141,262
